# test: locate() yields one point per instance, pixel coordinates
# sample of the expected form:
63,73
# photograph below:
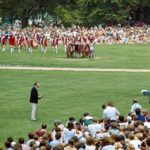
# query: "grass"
69,93
66,94
107,56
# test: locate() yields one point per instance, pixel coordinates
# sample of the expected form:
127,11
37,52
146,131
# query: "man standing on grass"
34,97
3,42
12,43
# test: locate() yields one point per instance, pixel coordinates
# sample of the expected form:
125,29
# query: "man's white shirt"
111,112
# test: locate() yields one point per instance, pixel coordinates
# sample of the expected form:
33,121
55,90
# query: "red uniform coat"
20,40
3,39
12,41
31,43
56,41
45,42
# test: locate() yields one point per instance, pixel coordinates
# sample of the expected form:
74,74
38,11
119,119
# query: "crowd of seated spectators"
112,132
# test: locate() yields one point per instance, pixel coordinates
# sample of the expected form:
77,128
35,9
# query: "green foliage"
105,11
82,12
23,9
64,15
67,15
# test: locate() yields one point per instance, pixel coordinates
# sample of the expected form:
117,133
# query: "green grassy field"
107,56
69,93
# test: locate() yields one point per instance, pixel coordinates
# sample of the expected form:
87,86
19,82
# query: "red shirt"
21,40
31,43
3,39
12,41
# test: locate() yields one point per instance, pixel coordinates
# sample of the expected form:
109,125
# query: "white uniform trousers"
33,112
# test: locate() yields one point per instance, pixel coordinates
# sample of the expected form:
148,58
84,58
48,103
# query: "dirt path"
71,69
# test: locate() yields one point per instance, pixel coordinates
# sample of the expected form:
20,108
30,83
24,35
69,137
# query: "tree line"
79,12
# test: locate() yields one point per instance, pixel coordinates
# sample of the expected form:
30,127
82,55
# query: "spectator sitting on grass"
90,144
118,143
111,112
87,120
114,129
59,147
121,121
8,145
70,145
58,124
146,114
106,144
54,132
31,138
18,146
79,131
69,132
95,127
135,105
58,140
107,123
42,130
10,139
139,116
23,145
36,140
71,119
134,141
104,108
148,143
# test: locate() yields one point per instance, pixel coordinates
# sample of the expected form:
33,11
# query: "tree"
104,11
68,12
139,10
81,12
24,9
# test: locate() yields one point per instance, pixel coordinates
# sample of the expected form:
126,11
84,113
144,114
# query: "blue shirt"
141,118
54,143
68,134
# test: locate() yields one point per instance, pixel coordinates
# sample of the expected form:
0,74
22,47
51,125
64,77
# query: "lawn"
69,93
66,94
107,56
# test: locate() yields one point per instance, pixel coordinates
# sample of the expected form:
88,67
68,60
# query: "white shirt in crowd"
135,106
94,128
111,112
90,147
147,124
108,147
25,147
54,143
136,144
29,141
68,134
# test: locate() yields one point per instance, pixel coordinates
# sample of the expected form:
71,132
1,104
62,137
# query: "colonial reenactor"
44,43
11,41
30,44
3,42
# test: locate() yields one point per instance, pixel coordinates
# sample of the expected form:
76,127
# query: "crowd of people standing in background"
31,38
